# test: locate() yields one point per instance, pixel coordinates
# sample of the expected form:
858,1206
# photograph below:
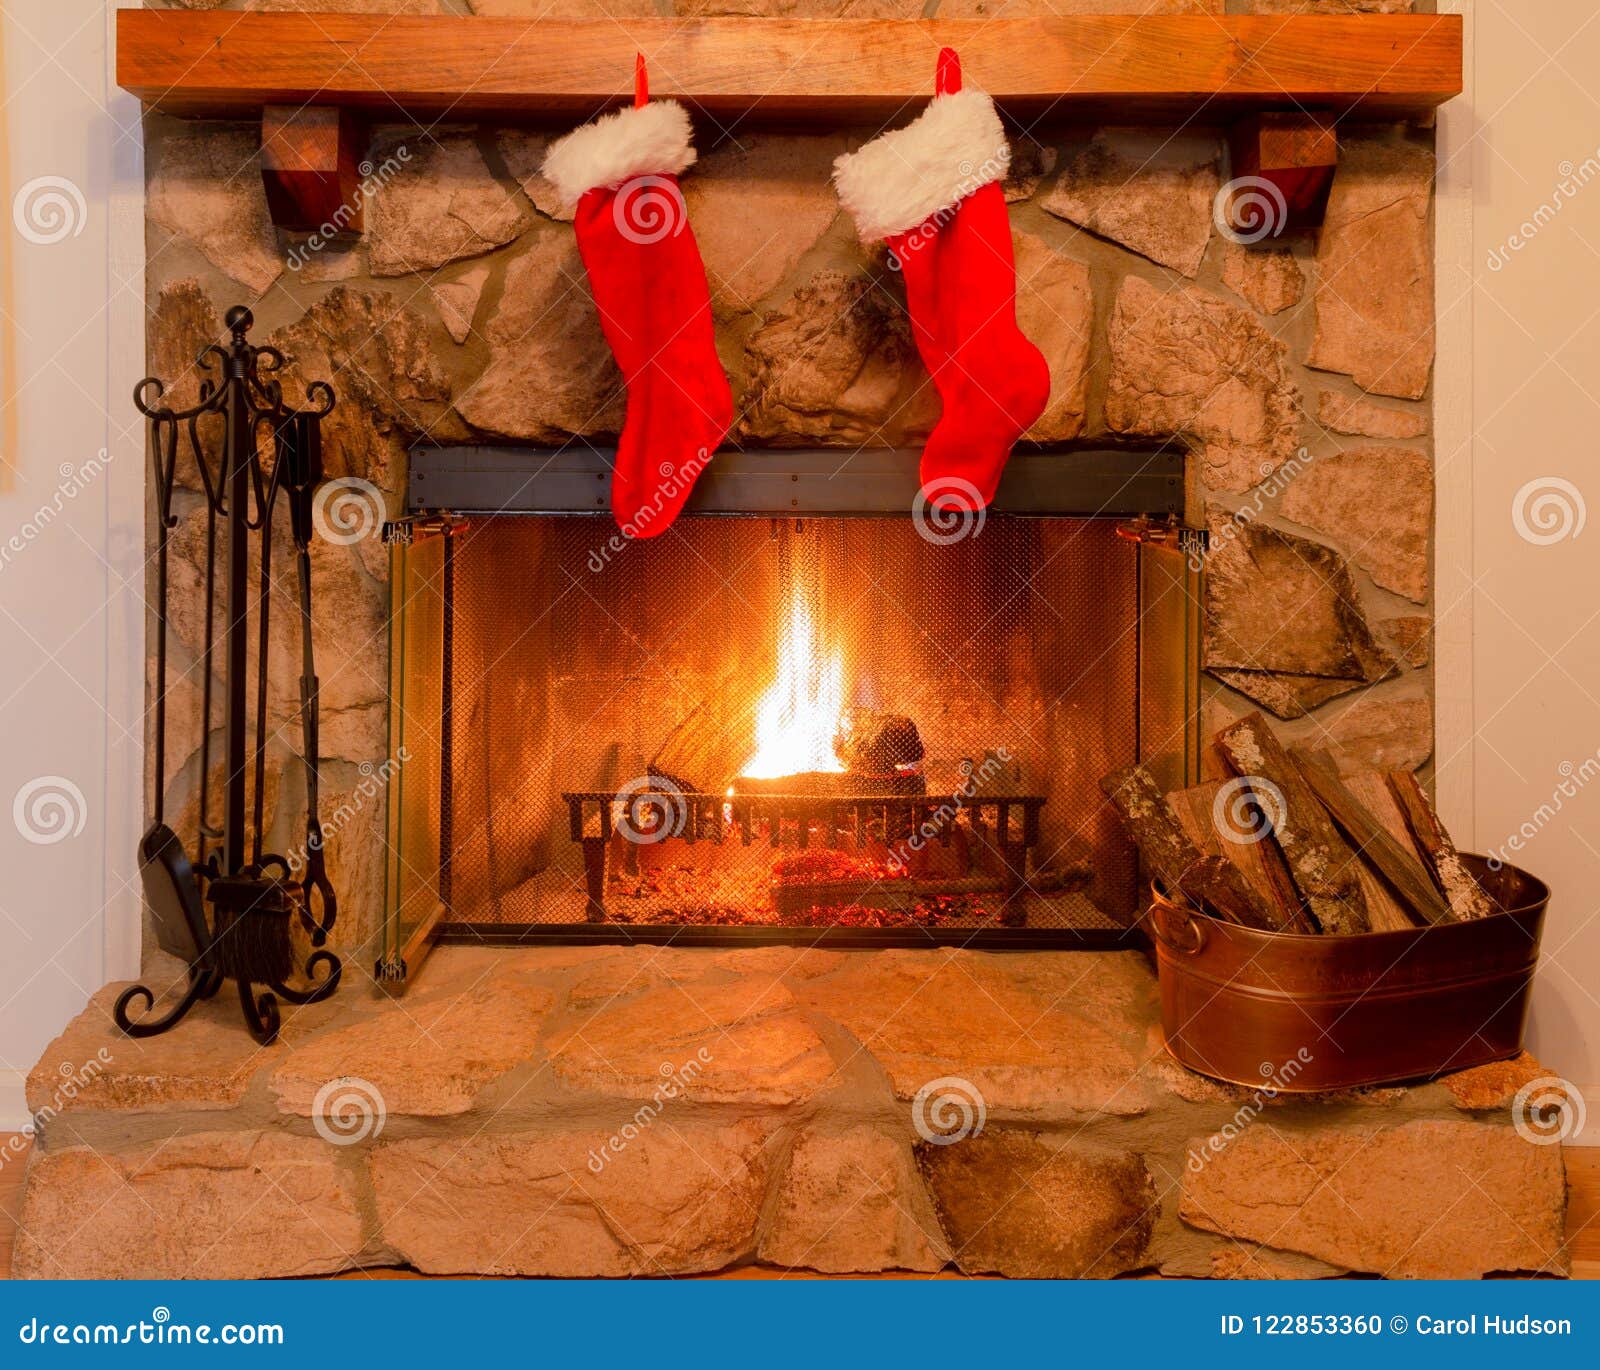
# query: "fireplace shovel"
170,886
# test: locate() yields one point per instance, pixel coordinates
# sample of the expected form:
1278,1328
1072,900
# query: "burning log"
831,783
708,745
1320,861
1209,881
868,742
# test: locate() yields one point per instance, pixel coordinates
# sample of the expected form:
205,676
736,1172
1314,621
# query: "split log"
1261,863
1465,895
1387,912
1404,873
1209,881
1321,863
707,746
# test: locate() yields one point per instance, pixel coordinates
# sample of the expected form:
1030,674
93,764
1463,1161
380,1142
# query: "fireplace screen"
821,729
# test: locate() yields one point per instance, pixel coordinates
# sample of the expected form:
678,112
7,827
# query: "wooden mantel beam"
1099,66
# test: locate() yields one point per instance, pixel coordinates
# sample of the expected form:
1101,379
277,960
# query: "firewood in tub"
1465,895
1209,881
1321,863
1403,872
1385,909
1261,863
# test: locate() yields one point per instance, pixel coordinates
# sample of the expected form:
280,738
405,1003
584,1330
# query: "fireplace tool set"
254,896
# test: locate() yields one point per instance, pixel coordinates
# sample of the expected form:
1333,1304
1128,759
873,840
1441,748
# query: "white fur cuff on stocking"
654,140
897,180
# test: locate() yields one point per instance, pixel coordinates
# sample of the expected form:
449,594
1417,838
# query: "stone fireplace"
1286,381
886,1058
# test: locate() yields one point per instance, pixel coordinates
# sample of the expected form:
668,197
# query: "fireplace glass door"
847,730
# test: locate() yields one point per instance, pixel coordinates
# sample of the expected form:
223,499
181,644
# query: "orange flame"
797,717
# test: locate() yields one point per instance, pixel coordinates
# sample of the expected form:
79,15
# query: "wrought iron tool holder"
253,895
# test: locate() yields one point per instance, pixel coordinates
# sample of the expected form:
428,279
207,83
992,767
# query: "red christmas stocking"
649,285
932,191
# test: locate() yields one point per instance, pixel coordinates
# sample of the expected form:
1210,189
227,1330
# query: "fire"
797,717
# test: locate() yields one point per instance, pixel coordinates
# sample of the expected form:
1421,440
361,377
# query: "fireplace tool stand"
253,895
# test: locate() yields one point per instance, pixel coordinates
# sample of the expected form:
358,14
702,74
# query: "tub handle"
1195,926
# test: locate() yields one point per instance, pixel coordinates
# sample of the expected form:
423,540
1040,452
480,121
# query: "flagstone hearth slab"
207,1064
850,1201
1029,1031
429,1059
661,1197
1035,1207
1425,1200
1495,1086
628,971
744,1042
212,1205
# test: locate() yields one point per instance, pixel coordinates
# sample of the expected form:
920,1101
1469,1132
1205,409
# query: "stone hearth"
639,1111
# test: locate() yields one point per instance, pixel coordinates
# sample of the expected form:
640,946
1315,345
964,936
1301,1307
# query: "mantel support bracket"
1282,168
310,166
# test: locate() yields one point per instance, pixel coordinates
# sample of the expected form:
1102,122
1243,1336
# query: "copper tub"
1301,1013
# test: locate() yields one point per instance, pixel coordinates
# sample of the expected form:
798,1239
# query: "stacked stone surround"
512,1116
1296,375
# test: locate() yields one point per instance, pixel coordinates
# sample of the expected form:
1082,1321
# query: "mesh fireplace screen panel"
747,721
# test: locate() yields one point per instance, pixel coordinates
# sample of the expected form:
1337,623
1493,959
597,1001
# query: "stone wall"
1296,375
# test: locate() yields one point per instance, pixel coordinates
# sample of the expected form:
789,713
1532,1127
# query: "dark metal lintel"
478,481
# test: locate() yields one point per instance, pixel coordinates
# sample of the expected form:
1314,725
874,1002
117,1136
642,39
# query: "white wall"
71,626
1518,411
